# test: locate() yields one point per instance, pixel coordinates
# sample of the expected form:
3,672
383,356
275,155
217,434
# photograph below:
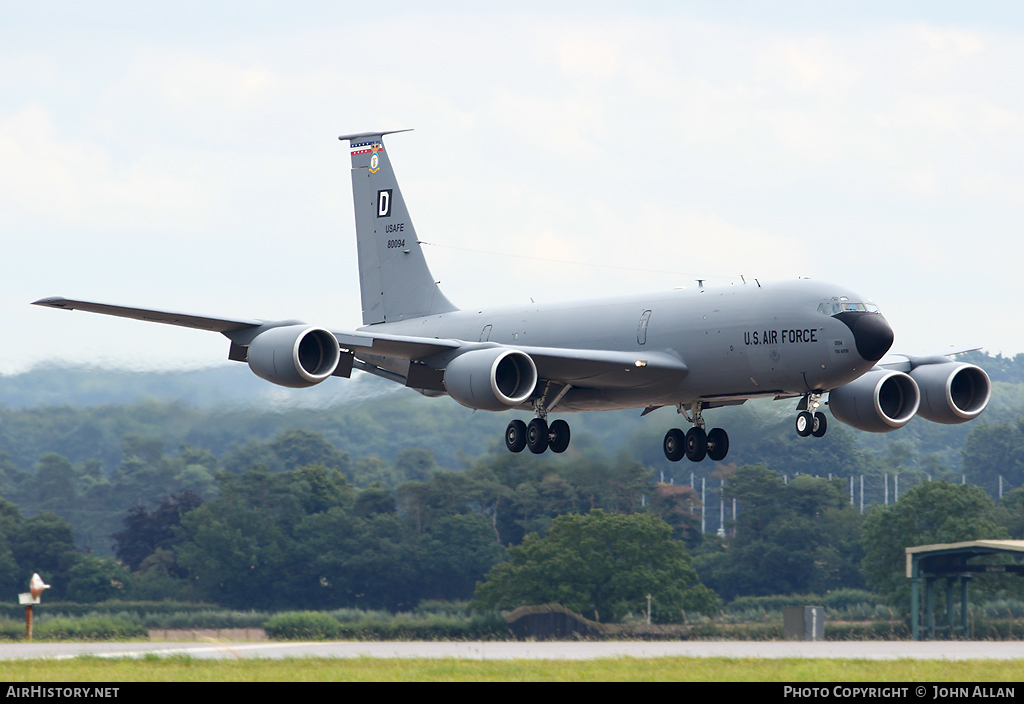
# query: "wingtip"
52,301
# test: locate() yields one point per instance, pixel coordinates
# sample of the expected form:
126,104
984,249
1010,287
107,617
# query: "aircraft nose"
873,335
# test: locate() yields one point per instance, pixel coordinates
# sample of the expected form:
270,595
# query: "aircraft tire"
537,436
804,424
558,433
696,444
515,436
820,425
674,445
718,444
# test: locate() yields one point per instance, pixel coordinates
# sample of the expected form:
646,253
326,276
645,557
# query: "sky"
184,156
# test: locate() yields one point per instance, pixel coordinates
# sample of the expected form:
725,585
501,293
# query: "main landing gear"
810,424
696,443
537,435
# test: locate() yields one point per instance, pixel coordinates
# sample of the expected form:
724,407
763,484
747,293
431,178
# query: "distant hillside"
82,413
223,385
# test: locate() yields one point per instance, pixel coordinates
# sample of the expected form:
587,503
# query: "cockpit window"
844,305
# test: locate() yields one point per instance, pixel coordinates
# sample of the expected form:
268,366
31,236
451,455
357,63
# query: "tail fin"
394,279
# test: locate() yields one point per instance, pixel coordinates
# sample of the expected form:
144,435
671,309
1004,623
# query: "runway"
859,650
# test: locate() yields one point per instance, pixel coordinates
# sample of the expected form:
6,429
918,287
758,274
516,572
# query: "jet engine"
878,402
294,356
491,379
951,392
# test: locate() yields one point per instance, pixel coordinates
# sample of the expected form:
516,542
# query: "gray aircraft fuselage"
738,342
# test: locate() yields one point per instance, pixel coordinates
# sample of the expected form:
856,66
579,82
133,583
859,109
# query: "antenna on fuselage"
700,283
742,279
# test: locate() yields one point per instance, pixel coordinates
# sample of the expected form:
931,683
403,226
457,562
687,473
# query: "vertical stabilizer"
394,279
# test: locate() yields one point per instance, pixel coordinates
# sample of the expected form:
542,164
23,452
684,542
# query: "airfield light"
35,590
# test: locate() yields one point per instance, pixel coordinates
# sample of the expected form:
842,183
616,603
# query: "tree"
601,564
931,512
45,543
97,579
146,532
1010,513
798,537
991,451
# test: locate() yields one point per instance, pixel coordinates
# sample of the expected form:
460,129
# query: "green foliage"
933,512
146,532
601,564
991,451
45,543
1010,513
79,629
97,579
303,625
799,537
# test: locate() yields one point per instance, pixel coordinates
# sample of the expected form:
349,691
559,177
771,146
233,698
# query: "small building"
927,564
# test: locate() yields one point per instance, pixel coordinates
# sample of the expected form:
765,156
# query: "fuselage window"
846,307
641,330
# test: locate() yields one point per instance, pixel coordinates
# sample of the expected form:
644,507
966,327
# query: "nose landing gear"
695,444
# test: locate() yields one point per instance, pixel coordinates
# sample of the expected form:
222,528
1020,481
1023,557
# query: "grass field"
153,668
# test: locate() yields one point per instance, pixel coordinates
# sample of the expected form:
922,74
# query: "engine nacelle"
294,356
878,402
952,392
491,379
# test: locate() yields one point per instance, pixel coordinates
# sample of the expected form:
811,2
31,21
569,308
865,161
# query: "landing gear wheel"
515,436
718,444
537,436
696,444
804,424
820,425
558,433
674,445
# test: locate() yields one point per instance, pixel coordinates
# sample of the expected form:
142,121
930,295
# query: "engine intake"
878,402
491,379
294,356
952,392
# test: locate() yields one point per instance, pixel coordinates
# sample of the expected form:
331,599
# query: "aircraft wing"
906,362
605,368
578,367
243,330
185,320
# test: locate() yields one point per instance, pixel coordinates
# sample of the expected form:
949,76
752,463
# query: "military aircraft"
691,349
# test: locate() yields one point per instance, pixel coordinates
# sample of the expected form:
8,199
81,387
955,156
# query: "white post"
896,488
648,609
1000,487
851,491
734,516
862,493
885,478
721,505
703,505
